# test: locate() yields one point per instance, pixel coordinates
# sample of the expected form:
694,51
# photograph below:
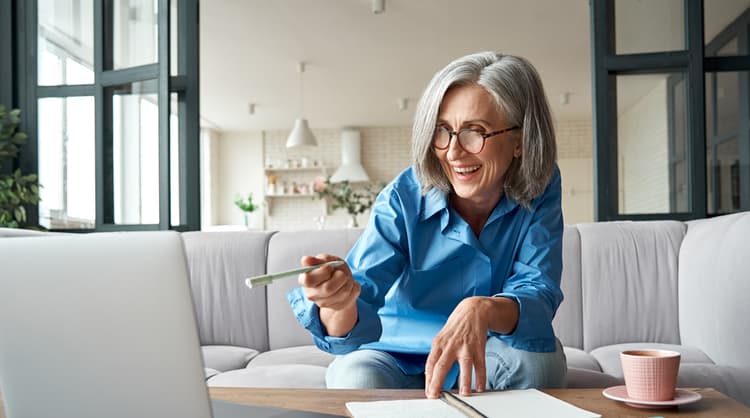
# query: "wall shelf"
293,169
288,176
291,195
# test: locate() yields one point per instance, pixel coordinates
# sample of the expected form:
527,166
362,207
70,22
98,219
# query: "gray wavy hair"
517,90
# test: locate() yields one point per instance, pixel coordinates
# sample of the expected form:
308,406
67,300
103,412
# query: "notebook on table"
102,325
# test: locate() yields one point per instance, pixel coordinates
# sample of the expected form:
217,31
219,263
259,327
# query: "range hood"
351,166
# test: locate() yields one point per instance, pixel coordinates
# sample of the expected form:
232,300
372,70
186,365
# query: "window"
671,114
114,112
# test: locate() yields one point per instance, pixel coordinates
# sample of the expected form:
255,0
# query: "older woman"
456,279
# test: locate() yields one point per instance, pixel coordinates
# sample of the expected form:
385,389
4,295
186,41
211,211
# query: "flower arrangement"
343,196
245,205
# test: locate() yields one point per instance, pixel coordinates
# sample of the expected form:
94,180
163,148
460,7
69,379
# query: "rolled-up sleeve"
376,261
535,280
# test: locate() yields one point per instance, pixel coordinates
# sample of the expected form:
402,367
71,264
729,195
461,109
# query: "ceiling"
359,64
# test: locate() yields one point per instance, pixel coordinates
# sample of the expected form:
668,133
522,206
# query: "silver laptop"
102,325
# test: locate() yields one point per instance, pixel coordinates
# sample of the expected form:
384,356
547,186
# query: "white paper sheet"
416,408
512,403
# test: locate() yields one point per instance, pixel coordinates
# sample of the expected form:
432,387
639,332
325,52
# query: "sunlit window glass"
135,153
135,35
65,42
66,163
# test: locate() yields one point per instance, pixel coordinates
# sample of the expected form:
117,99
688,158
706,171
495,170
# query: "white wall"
574,157
209,174
239,164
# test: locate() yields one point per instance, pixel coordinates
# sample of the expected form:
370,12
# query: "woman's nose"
454,148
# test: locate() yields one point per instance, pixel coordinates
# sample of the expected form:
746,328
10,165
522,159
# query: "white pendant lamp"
301,134
351,166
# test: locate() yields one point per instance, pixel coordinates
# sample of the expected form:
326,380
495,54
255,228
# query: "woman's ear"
517,150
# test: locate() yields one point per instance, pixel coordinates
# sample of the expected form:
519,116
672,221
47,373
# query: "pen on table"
269,278
456,402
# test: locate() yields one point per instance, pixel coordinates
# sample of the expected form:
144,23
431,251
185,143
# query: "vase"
249,219
353,223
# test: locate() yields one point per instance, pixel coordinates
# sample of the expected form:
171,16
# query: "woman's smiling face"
477,178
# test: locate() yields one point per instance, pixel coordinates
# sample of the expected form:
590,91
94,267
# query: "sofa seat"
223,358
278,376
732,381
580,359
305,354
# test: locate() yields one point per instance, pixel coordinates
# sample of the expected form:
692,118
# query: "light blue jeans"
507,368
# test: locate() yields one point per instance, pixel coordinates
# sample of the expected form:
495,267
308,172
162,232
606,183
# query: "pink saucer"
681,397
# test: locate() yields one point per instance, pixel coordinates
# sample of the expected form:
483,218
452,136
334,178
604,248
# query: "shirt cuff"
367,329
529,334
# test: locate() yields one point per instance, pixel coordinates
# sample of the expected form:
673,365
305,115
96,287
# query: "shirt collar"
434,201
503,207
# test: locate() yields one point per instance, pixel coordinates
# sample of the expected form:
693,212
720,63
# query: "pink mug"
650,375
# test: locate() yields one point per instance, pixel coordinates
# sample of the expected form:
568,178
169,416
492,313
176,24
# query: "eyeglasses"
469,140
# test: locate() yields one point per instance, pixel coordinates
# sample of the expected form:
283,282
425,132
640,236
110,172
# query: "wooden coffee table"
713,404
331,401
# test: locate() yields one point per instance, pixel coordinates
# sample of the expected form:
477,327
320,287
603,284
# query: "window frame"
25,95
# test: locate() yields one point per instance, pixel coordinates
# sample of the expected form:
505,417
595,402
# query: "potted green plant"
247,207
343,196
16,188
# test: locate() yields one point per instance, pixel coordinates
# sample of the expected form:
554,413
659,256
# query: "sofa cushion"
226,357
585,378
210,372
731,381
282,376
629,282
306,354
228,313
714,284
609,356
568,321
581,359
285,249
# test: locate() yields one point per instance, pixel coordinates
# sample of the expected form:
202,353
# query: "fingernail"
465,390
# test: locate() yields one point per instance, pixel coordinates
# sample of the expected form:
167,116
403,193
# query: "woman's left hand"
463,339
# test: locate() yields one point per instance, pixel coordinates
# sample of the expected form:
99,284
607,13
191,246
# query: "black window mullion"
7,35
604,124
647,63
25,92
132,74
696,129
189,114
102,118
163,74
66,90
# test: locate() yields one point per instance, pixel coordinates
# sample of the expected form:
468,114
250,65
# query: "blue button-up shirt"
417,259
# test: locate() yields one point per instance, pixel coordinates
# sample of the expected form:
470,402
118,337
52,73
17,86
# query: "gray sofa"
667,284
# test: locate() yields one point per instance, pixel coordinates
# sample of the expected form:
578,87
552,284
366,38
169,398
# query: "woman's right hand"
335,292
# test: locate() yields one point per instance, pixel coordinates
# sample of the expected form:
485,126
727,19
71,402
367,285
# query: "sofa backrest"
568,321
629,282
285,249
228,313
715,287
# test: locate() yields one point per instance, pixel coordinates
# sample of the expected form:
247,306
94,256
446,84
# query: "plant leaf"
19,138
